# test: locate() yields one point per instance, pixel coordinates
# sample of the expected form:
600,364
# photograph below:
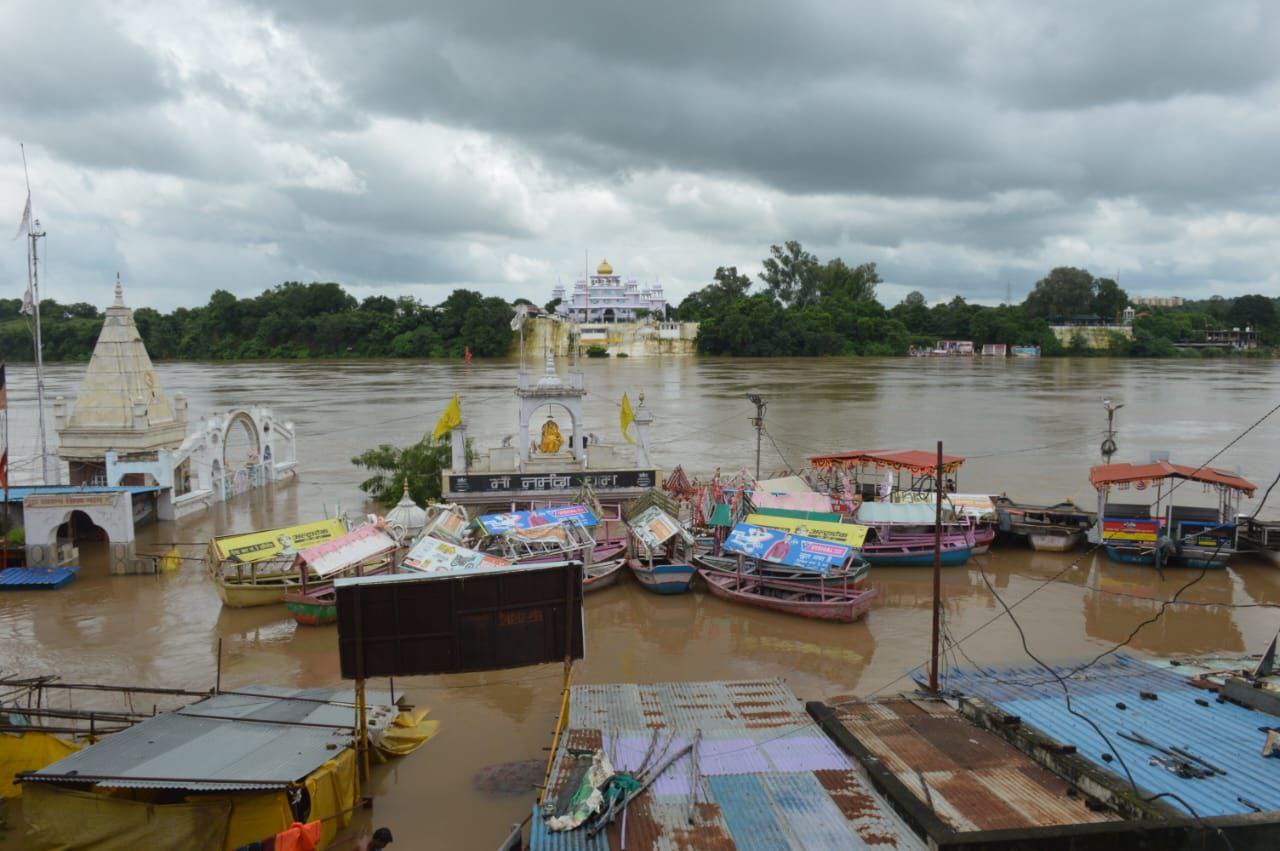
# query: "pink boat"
834,602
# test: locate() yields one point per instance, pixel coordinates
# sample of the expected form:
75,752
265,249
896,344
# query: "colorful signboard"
849,534
433,556
782,547
1145,531
260,546
534,483
654,527
518,521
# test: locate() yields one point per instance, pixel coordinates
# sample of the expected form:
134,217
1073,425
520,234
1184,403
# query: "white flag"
25,224
522,310
28,307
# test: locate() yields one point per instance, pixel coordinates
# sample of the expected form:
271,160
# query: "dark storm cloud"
962,147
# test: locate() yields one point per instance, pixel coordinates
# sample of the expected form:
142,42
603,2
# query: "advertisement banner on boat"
1131,530
440,557
654,527
259,546
514,521
782,547
849,534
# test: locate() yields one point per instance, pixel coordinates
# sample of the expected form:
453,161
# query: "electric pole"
758,421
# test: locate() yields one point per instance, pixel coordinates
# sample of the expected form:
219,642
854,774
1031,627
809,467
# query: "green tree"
1255,310
856,284
1064,292
727,286
1109,301
791,274
552,305
421,464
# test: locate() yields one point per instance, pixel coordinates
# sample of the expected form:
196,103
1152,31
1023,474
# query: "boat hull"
790,598
727,564
916,558
1131,555
245,595
597,576
310,611
1054,541
663,578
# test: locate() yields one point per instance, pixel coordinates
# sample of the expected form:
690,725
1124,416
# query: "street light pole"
758,421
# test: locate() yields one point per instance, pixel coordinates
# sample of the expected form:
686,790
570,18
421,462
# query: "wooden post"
217,681
937,572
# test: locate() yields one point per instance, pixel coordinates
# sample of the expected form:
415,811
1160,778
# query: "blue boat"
1131,555
663,578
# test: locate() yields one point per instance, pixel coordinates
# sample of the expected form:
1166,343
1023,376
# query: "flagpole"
33,283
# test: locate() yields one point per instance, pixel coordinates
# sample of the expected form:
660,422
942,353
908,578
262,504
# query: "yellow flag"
171,560
626,417
449,420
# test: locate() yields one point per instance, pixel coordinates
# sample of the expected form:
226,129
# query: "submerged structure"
543,461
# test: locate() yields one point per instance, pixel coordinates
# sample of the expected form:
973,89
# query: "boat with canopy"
257,568
548,535
663,550
1057,528
366,551
1160,532
902,535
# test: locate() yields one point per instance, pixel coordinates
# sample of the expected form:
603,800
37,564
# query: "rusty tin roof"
767,775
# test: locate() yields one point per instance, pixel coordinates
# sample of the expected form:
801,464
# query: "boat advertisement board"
430,555
654,527
354,548
782,547
518,521
1135,529
260,546
849,534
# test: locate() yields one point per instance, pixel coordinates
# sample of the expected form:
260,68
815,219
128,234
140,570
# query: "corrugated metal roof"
767,775
1181,715
26,578
975,779
225,742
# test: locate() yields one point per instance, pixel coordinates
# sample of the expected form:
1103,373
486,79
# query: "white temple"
605,297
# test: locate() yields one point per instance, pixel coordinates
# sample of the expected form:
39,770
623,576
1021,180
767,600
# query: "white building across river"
605,297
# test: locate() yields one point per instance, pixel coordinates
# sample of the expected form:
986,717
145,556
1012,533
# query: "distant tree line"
292,320
800,306
805,307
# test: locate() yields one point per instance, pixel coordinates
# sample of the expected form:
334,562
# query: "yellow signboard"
849,534
260,546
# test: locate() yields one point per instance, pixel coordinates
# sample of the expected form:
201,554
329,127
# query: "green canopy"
721,516
797,514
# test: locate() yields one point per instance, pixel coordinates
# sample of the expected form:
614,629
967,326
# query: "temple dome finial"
604,268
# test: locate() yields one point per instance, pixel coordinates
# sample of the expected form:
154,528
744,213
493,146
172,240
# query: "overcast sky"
966,148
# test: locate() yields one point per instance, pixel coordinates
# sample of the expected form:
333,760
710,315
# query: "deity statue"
552,439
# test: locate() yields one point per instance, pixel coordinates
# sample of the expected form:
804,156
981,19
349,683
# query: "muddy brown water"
1028,428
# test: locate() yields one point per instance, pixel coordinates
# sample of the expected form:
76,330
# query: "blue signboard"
782,547
512,521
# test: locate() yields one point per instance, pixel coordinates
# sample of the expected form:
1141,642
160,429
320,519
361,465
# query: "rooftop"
1174,713
767,777
258,738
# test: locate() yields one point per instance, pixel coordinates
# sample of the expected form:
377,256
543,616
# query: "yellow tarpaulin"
849,534
28,752
254,815
332,788
66,820
259,546
410,731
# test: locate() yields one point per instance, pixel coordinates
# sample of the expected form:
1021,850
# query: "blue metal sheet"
1225,734
747,811
27,578
562,840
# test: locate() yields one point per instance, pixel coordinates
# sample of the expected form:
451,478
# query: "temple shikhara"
606,297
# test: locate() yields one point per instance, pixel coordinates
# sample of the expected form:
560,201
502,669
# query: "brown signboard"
392,626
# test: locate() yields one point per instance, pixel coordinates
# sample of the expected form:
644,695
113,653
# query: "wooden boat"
365,551
662,577
257,568
663,551
1056,528
599,575
855,575
907,551
825,602
1260,537
902,535
1161,533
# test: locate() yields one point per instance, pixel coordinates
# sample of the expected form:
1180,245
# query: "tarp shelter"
230,759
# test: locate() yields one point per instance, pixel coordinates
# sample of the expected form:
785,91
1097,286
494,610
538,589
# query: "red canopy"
915,460
1111,474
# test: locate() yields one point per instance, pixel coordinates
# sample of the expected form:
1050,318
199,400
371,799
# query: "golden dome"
604,268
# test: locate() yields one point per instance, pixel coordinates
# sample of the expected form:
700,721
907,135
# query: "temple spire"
119,302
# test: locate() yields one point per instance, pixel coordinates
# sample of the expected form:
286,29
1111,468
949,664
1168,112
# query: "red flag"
4,468
4,391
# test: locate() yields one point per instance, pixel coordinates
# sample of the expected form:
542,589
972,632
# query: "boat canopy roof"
782,547
259,546
1112,474
721,515
823,516
517,521
913,513
334,556
916,460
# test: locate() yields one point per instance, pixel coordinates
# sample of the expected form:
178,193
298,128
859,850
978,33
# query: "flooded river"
1028,428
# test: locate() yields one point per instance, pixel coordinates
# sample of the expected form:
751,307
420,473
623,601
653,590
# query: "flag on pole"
24,226
449,420
4,391
522,311
626,417
28,307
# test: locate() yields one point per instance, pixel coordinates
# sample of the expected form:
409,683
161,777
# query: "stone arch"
529,407
44,514
243,436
